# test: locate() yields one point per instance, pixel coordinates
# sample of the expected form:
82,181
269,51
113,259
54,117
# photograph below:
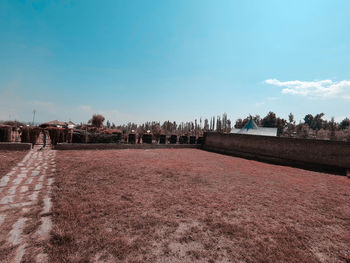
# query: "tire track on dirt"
25,205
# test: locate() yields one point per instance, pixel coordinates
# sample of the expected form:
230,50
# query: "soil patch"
8,159
188,205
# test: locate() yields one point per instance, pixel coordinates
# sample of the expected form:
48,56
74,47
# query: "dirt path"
25,205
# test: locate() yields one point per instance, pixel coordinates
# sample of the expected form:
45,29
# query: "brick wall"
314,154
106,146
12,146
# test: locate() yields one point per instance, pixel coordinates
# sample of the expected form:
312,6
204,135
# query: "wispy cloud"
320,89
86,108
272,98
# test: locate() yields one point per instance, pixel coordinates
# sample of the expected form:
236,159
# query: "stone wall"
13,146
332,156
111,146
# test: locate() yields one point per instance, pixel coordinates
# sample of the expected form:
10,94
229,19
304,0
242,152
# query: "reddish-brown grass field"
8,159
188,205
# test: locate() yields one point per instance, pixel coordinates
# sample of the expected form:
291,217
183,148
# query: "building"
252,129
58,124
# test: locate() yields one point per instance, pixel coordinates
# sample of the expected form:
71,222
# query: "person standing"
44,139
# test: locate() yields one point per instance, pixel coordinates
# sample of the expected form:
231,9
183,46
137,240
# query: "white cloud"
320,89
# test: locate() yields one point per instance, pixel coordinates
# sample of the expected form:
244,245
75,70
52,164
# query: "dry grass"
194,206
8,159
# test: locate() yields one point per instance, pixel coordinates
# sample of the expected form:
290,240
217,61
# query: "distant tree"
332,126
302,130
257,120
280,125
97,120
218,124
140,132
270,120
108,124
317,122
168,127
175,125
224,122
206,125
291,124
156,130
344,124
291,118
308,119
228,126
238,124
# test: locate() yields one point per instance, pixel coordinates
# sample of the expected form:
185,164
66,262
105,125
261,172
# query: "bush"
104,138
30,134
147,138
200,140
57,135
173,139
34,133
25,135
111,131
5,133
79,136
132,138
162,139
192,139
183,139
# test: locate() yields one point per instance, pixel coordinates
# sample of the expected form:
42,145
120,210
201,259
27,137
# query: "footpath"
25,207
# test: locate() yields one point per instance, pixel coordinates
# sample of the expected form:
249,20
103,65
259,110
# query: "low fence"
14,146
112,146
331,156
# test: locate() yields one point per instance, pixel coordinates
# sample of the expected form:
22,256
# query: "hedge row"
30,134
58,135
5,133
80,136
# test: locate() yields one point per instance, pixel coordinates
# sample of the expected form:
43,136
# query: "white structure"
70,125
58,124
252,129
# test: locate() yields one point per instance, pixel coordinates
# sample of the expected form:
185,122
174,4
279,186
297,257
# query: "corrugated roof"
252,129
56,123
260,131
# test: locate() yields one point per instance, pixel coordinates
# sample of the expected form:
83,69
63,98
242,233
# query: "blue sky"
177,60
